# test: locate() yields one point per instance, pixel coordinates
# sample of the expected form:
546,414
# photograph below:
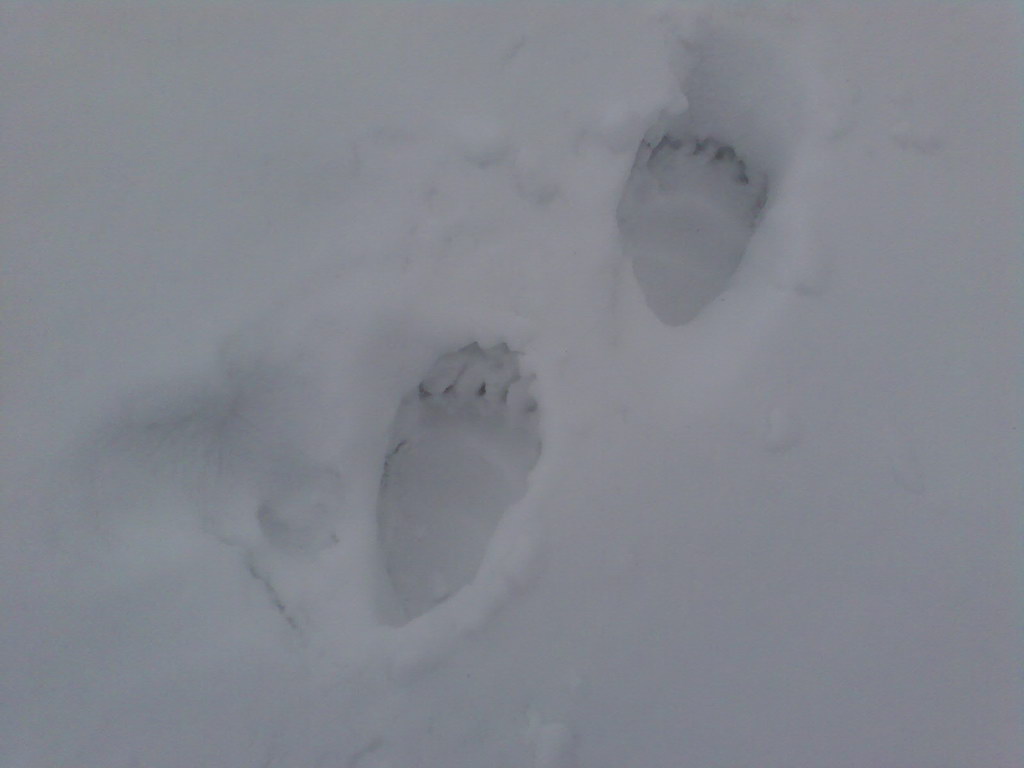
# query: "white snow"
376,392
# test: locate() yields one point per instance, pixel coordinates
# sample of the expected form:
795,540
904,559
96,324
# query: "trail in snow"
462,386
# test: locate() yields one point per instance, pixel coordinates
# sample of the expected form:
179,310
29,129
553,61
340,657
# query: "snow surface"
758,508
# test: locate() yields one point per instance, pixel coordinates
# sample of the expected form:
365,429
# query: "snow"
685,189
741,486
463,446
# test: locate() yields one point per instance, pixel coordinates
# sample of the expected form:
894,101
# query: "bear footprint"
462,446
686,216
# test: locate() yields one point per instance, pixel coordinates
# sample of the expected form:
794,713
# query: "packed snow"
550,385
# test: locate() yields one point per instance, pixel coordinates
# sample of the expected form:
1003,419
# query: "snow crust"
727,474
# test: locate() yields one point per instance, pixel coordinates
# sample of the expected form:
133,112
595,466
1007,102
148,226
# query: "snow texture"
461,385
